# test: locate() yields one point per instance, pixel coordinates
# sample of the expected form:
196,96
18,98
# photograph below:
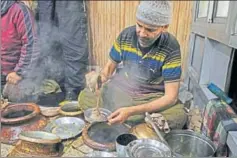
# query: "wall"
107,18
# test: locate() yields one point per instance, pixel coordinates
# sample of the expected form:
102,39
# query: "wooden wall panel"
108,18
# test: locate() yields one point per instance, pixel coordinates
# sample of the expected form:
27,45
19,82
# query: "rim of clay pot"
93,144
40,137
35,112
66,113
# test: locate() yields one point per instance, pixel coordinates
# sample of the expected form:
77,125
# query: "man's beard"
147,42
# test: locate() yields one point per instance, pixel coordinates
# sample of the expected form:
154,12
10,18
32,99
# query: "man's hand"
13,78
120,115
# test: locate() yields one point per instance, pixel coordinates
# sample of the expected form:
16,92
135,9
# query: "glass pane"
202,9
222,8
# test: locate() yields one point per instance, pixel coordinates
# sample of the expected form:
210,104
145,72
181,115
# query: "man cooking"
143,71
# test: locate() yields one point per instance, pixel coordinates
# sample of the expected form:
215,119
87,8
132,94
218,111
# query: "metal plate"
147,148
66,127
104,112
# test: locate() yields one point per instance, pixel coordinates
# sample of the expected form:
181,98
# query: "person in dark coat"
63,36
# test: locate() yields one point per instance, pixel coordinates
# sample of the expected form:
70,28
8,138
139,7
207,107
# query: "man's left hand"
120,115
13,78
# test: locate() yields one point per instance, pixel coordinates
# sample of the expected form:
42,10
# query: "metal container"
104,112
66,127
144,131
101,154
147,148
121,143
186,143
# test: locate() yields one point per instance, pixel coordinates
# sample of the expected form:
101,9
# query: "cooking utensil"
66,127
148,119
18,113
37,144
70,108
186,143
121,143
104,113
142,131
101,154
101,136
96,112
39,137
147,148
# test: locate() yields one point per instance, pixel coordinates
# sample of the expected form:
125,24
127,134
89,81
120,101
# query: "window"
203,9
222,8
214,11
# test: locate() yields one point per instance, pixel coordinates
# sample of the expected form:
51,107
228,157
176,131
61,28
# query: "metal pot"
147,148
186,143
101,154
143,131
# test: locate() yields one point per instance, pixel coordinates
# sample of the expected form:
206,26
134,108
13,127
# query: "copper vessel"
37,143
16,118
144,131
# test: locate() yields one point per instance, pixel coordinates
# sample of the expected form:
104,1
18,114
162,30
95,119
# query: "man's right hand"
13,78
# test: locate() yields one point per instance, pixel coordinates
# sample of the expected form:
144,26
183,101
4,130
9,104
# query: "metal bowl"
39,137
101,154
104,112
147,148
66,127
186,143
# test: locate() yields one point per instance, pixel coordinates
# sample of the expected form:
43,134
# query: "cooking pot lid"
147,148
101,132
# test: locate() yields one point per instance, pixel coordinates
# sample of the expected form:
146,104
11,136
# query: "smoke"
46,63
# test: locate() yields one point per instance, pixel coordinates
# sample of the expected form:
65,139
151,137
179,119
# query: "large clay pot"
16,118
37,144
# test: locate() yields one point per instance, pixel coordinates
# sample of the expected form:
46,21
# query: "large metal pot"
186,143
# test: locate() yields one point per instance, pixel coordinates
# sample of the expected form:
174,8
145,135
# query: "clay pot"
101,136
37,144
17,113
69,108
49,111
16,118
